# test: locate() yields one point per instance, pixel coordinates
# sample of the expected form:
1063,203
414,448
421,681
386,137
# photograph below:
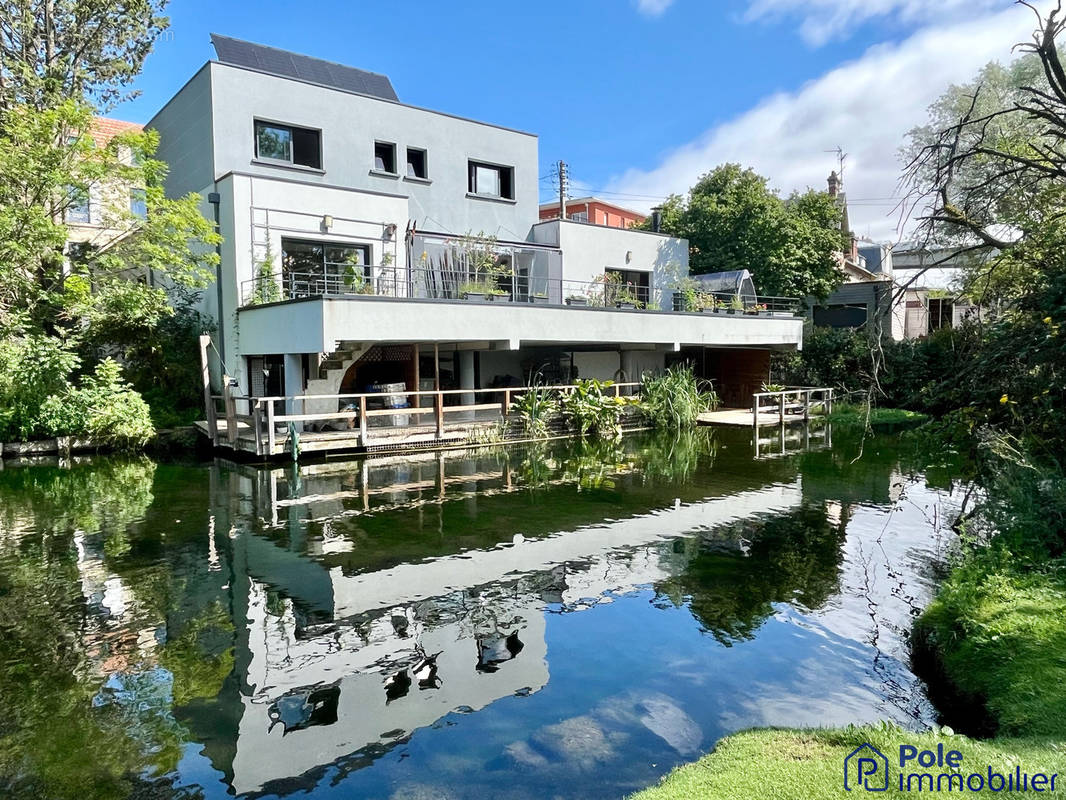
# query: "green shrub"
39,400
675,399
117,415
32,369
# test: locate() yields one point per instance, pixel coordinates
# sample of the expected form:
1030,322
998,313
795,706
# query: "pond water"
555,621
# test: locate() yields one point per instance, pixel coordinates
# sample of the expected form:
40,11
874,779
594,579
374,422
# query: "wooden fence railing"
795,401
262,419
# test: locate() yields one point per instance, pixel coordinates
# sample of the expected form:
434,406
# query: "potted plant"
483,291
540,298
689,297
485,267
622,294
577,300
735,305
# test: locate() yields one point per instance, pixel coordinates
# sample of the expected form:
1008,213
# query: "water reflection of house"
332,665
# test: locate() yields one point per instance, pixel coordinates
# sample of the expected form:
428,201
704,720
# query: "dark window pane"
416,163
385,157
307,148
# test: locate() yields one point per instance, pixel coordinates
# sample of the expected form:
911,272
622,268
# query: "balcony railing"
455,285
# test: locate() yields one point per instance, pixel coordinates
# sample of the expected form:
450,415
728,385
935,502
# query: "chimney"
834,184
656,219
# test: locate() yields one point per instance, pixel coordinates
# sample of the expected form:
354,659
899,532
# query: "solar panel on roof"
301,67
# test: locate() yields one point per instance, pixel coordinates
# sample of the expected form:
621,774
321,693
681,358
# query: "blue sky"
642,96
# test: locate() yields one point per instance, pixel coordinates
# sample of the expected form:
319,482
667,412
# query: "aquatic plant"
536,407
676,398
591,409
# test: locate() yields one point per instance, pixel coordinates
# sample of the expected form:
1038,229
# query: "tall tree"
53,50
733,220
65,304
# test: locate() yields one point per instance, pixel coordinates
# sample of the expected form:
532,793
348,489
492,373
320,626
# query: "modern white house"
371,243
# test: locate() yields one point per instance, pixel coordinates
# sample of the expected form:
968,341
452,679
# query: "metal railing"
456,285
733,303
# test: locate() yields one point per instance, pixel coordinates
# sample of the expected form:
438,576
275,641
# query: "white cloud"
653,8
822,20
865,106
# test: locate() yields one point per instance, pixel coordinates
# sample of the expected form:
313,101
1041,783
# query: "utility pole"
562,189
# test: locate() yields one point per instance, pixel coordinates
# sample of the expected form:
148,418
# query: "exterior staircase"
331,369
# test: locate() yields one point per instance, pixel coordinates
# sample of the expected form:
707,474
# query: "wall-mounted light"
629,256
390,230
327,221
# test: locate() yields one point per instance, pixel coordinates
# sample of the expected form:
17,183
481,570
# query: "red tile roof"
104,129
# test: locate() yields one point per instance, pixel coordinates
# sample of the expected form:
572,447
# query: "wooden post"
270,427
438,406
755,416
209,403
257,423
231,410
781,407
617,390
417,398
362,421
506,401
807,405
436,367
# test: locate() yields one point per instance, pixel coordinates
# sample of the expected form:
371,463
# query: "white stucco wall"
590,249
350,125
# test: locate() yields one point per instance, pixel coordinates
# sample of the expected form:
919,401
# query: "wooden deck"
740,418
792,406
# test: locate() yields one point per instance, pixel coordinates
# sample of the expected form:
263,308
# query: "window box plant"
577,300
539,299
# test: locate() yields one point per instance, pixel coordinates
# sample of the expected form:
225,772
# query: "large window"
311,268
286,144
491,180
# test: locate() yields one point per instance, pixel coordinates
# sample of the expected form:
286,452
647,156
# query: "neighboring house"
593,211
866,296
351,222
91,218
930,282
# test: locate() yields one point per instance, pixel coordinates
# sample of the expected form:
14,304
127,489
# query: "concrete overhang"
315,325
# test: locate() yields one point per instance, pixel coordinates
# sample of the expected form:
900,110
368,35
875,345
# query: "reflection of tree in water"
105,495
86,694
733,579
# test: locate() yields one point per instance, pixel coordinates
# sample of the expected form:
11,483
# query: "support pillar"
466,377
294,385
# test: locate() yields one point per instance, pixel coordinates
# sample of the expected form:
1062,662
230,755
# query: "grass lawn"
855,414
809,764
999,636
